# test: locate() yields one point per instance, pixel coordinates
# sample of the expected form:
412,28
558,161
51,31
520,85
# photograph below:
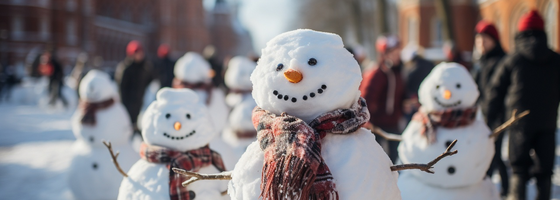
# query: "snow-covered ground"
34,153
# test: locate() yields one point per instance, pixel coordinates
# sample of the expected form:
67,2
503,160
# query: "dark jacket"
132,79
487,66
528,79
420,69
165,71
375,89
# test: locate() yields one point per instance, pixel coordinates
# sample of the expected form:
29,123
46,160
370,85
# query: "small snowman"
240,132
237,79
448,110
176,132
100,116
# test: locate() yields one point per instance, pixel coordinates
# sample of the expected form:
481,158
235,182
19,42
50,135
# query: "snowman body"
461,176
92,174
240,121
148,180
305,74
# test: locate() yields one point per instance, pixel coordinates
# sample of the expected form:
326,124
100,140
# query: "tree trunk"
444,14
382,17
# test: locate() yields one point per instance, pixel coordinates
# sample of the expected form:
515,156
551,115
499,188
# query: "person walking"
529,79
383,90
488,46
165,66
49,66
133,75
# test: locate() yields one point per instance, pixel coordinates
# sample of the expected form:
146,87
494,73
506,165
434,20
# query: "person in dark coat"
487,44
48,65
417,68
165,66
133,75
383,90
529,79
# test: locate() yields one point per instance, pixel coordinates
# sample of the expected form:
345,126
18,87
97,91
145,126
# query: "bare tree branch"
427,167
388,136
197,177
114,157
514,118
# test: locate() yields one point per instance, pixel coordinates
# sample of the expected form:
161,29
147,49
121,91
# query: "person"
383,90
165,66
133,75
49,66
529,79
417,68
488,46
452,54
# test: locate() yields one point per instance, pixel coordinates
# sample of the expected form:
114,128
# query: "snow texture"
238,77
193,68
240,120
458,174
361,169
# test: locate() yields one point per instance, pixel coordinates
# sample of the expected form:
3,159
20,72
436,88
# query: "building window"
551,20
17,27
71,32
412,28
44,28
437,32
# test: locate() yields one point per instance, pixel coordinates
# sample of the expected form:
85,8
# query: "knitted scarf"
195,86
89,110
192,160
449,118
293,167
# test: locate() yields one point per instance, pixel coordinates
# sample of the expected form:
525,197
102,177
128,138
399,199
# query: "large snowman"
99,117
310,144
176,134
237,79
448,96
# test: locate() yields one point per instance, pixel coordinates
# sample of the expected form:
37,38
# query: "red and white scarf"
293,167
449,118
89,110
192,160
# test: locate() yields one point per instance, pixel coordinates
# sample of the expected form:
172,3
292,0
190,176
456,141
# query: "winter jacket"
383,89
488,64
165,72
132,79
420,69
528,79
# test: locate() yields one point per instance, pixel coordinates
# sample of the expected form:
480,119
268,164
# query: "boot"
544,185
517,187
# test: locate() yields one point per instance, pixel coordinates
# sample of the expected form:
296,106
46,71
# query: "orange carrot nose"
293,76
177,126
447,94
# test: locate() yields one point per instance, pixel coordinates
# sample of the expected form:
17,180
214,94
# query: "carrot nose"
293,76
177,126
447,94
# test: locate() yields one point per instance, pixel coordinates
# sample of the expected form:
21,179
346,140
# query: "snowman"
448,97
99,117
240,132
176,134
237,79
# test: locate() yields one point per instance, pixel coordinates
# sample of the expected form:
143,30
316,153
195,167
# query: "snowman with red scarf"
448,97
176,133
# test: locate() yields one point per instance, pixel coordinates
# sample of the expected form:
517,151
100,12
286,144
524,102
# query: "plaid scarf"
449,118
191,160
89,110
293,167
195,86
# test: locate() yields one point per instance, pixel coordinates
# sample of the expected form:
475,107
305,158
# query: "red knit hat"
488,28
384,44
531,21
163,51
133,47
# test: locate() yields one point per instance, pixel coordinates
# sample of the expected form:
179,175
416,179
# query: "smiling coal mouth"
181,137
447,105
286,97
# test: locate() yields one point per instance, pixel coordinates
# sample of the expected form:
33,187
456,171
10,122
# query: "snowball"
97,86
193,68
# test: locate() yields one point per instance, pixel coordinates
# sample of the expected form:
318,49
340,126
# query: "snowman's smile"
180,137
305,97
447,105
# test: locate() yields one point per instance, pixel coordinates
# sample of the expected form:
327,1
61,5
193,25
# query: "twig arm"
514,118
427,167
114,157
388,136
197,176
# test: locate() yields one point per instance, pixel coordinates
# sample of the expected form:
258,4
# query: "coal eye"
167,115
312,61
188,116
437,86
458,85
280,66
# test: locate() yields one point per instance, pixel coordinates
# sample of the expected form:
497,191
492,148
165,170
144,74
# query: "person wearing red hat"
165,66
383,89
529,79
133,75
487,45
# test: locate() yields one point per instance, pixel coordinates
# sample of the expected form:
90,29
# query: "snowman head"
193,68
177,120
97,86
240,116
448,86
239,72
306,73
